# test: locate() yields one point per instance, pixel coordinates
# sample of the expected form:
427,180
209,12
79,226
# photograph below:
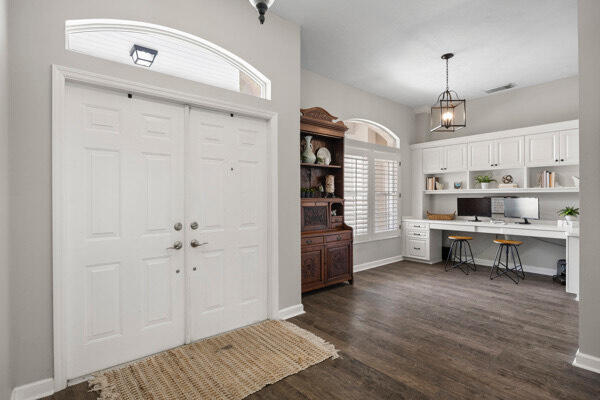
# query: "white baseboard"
377,263
292,311
527,268
34,390
586,361
419,260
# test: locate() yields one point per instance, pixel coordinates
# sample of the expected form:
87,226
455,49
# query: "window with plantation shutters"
356,193
386,195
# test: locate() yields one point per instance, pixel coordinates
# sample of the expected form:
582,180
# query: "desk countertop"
466,225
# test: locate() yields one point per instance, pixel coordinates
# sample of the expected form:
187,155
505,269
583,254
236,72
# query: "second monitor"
474,207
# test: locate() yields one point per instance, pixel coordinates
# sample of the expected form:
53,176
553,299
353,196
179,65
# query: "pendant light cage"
449,113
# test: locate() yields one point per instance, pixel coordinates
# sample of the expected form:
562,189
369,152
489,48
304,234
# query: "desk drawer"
418,248
312,240
418,234
338,237
417,226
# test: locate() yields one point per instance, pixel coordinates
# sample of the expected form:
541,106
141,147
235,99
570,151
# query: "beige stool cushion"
460,237
503,241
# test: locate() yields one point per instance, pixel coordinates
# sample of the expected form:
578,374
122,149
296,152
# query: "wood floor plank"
412,331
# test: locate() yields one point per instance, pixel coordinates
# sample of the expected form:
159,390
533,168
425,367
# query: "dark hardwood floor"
413,331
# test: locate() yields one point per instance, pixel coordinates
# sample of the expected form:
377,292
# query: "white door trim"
60,76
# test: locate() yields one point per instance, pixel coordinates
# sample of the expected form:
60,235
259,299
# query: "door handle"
194,243
176,246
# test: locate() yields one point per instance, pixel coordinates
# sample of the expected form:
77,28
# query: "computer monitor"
474,207
522,207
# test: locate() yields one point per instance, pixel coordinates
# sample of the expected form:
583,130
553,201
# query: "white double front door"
165,226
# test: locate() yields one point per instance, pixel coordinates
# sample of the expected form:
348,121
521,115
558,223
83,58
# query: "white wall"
346,102
5,381
517,108
589,144
36,41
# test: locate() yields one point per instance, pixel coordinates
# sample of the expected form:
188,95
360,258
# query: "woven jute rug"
229,366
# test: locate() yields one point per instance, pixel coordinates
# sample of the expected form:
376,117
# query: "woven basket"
441,217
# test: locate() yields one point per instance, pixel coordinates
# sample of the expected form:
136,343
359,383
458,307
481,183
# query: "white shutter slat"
386,195
356,187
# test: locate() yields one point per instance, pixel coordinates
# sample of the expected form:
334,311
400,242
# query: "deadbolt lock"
194,225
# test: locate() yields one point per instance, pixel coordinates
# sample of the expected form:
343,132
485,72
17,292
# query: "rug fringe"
312,338
99,383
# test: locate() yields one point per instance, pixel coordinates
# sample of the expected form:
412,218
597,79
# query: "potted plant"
570,213
484,180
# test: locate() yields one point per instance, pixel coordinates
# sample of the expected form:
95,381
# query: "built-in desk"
423,239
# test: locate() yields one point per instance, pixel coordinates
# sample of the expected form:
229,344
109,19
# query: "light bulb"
448,116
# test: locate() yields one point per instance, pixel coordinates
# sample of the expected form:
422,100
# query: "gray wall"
517,108
589,144
5,383
37,41
347,102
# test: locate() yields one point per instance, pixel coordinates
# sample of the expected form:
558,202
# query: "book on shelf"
548,179
430,183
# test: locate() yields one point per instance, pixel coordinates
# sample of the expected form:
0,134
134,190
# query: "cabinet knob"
562,159
309,242
556,160
339,237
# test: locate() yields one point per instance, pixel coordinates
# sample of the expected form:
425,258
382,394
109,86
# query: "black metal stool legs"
458,257
516,272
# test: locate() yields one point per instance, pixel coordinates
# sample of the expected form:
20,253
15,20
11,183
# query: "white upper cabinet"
445,159
432,160
509,153
481,155
455,158
569,147
541,150
553,148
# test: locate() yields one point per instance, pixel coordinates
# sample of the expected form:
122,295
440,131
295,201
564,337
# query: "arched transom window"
371,180
165,50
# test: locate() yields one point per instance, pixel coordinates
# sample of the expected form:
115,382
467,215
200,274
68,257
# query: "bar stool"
458,256
505,247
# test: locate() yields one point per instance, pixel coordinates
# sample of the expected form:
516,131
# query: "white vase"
308,155
485,185
570,218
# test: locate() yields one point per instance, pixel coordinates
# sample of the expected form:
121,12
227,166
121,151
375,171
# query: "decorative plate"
323,156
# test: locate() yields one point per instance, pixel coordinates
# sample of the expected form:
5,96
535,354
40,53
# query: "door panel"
569,147
432,160
312,259
225,194
541,150
509,153
456,158
481,155
123,173
338,258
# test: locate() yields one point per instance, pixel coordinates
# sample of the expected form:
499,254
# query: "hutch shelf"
326,239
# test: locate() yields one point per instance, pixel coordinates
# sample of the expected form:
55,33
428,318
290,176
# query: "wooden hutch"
326,239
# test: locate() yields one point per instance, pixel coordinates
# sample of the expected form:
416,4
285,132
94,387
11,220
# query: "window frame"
375,151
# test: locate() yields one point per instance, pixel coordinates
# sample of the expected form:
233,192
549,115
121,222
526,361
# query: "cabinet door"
509,153
481,155
456,158
338,261
312,258
569,147
541,150
433,160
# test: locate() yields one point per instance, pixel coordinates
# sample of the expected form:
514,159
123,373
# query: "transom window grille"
179,53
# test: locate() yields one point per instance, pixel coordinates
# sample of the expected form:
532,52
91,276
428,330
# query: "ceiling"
392,48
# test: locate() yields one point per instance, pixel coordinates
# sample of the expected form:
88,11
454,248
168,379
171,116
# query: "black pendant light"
262,6
449,113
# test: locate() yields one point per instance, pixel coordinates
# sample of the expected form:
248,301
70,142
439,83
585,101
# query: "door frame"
60,76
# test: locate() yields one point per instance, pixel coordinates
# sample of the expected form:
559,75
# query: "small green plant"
569,211
484,179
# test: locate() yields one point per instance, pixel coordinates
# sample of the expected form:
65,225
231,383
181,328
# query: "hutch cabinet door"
433,160
481,155
509,153
312,259
569,147
338,257
541,150
455,158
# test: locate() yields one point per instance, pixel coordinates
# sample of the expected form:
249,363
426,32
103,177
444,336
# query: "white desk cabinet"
496,154
553,148
569,147
438,160
481,155
421,243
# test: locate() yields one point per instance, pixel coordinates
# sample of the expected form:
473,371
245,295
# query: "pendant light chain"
447,86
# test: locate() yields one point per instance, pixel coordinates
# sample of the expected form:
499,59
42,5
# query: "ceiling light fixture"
142,55
449,113
262,6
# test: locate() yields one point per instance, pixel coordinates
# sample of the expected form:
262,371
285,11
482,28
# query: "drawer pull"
417,248
339,237
309,242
